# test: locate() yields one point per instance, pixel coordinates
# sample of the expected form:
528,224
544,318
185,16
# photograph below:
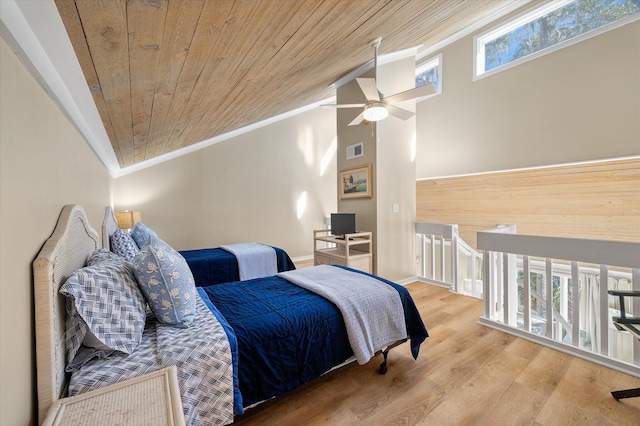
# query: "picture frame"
356,183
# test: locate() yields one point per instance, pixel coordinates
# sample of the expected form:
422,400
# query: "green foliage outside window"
564,23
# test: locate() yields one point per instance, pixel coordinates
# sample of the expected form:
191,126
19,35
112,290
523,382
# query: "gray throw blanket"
254,260
372,310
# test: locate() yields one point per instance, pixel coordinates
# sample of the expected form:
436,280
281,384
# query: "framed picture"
356,183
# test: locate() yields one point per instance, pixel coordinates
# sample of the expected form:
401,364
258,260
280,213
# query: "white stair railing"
447,260
548,290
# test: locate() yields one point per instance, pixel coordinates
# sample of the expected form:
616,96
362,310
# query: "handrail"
507,302
445,230
615,253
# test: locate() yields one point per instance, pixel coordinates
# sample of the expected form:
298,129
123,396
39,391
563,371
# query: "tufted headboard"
66,250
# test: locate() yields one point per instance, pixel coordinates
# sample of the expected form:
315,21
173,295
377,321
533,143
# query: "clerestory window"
552,26
430,71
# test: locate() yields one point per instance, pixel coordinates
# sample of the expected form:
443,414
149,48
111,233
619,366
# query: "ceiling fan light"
375,112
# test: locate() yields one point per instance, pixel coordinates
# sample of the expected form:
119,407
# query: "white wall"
42,157
576,104
389,146
396,174
274,185
364,208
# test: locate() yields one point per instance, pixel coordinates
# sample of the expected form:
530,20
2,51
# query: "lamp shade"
375,111
127,219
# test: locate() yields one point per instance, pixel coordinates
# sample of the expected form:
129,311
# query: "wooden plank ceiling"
167,74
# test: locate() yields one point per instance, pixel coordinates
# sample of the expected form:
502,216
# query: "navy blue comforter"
287,335
215,265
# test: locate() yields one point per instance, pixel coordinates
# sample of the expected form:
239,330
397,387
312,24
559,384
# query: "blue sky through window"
564,23
430,71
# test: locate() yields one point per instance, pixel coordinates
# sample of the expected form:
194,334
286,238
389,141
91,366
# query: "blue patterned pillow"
141,234
167,283
104,299
123,245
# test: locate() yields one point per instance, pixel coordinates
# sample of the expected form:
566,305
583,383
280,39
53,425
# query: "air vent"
354,151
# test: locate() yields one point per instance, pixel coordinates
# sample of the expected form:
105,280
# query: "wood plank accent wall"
596,201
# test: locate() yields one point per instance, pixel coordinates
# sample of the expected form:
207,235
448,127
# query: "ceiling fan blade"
359,119
343,105
368,86
399,112
417,92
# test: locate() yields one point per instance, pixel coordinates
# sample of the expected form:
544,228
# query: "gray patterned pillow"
167,283
141,234
105,299
123,245
103,256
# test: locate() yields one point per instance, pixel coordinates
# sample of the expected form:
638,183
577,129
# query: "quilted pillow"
167,283
103,300
123,245
141,234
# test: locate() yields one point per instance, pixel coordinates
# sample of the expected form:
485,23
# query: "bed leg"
383,366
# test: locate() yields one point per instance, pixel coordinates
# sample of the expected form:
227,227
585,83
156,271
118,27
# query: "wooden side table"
354,251
151,399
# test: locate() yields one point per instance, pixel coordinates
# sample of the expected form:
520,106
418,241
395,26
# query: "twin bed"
249,341
208,265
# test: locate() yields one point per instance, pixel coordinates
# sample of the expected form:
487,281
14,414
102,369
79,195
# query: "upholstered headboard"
68,248
109,226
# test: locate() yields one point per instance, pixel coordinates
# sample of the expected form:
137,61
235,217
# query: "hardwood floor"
465,374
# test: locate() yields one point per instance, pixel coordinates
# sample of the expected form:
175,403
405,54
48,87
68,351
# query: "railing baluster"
526,293
432,252
454,262
487,284
473,275
442,274
635,311
548,282
506,290
511,281
564,306
575,304
605,319
499,278
423,267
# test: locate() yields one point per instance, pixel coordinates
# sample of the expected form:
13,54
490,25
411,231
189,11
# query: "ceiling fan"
379,107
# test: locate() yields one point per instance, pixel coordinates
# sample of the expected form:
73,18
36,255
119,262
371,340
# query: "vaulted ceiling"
167,74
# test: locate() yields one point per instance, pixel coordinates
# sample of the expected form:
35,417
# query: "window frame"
527,16
425,65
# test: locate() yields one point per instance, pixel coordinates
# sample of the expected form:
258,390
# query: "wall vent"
354,151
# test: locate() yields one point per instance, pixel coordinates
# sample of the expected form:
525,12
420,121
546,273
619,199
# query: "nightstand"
151,399
354,250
